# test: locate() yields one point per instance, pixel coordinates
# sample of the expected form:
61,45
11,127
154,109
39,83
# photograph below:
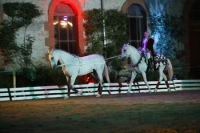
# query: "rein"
110,58
136,65
117,56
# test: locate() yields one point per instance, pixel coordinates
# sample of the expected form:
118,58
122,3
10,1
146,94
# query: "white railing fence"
28,93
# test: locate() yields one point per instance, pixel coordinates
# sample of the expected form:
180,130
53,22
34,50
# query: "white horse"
73,66
139,66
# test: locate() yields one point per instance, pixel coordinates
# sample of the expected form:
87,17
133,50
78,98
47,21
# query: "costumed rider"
147,51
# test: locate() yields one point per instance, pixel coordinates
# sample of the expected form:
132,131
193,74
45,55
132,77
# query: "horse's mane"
135,50
129,45
66,53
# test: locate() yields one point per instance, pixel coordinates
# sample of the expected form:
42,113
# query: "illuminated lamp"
75,5
70,24
63,24
55,22
65,18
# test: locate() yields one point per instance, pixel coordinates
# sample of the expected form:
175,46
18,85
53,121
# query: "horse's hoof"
66,97
128,92
80,93
98,95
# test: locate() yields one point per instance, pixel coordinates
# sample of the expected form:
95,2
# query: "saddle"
154,59
151,65
150,43
160,59
148,60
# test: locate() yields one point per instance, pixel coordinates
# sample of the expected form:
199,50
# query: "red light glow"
77,9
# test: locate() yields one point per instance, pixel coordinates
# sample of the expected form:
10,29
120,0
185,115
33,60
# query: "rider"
147,48
145,41
144,49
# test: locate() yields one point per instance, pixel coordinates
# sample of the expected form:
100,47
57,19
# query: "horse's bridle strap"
136,65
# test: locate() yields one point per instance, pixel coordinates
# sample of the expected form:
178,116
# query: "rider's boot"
157,86
75,90
167,84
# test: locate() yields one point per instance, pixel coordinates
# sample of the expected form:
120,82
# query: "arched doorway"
66,26
137,23
194,41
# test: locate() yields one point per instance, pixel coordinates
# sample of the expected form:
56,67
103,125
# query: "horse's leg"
145,80
100,77
166,81
157,85
68,87
99,90
160,77
68,78
133,75
73,78
167,84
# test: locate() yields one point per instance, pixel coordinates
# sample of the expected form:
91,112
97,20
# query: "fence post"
9,93
14,81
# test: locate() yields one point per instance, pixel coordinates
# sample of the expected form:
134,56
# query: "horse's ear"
126,44
50,51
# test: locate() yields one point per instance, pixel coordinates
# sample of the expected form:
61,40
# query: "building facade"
61,25
49,34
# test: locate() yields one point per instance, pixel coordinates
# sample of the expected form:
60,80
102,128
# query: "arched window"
65,28
137,23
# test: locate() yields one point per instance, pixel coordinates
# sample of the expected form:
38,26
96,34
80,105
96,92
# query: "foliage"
167,27
7,36
157,18
26,51
116,34
7,39
41,76
116,31
6,80
93,29
37,76
19,15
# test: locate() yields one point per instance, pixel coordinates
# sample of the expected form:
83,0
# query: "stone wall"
37,30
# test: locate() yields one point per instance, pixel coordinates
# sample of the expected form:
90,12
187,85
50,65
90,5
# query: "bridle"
139,61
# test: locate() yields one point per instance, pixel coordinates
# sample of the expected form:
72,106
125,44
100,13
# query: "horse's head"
125,52
52,59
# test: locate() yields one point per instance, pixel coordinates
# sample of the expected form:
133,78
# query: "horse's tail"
106,73
170,69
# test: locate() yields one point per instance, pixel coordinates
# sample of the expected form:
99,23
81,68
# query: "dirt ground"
174,112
